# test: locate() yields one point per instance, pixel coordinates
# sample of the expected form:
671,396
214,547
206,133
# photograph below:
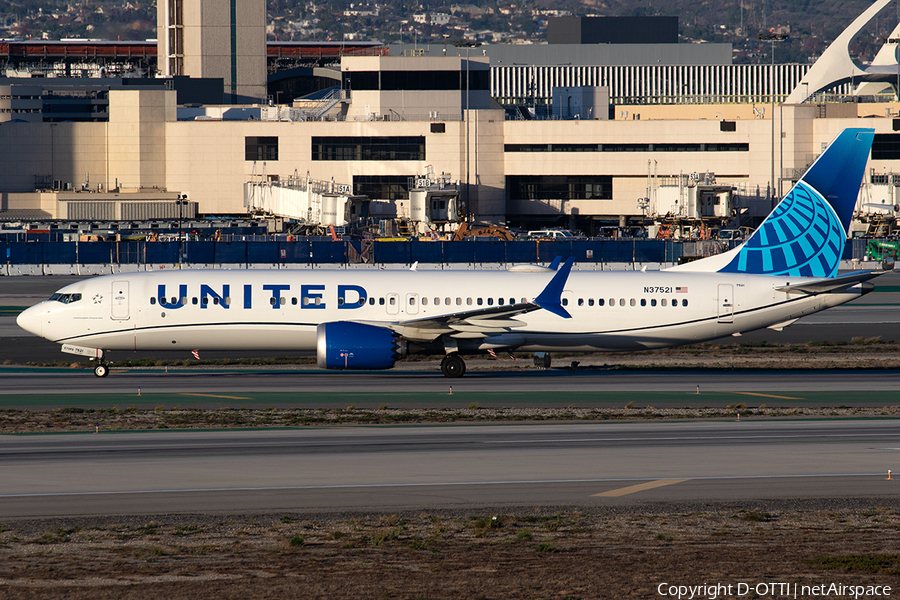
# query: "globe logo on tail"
802,237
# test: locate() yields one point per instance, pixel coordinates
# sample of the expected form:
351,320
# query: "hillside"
810,24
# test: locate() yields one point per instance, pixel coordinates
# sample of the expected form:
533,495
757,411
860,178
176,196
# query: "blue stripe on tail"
805,234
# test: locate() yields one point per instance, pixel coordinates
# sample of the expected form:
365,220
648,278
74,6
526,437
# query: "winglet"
550,298
555,264
830,284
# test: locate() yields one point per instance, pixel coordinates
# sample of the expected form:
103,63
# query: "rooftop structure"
612,30
836,67
215,38
77,58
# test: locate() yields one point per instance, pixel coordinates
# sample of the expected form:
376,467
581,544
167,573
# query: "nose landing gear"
101,368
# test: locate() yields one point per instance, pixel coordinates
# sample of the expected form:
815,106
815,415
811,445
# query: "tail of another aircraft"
805,234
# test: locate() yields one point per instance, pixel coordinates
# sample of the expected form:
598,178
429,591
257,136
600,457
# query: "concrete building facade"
580,172
215,39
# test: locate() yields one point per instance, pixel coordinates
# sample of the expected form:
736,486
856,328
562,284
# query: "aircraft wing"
830,284
482,322
465,324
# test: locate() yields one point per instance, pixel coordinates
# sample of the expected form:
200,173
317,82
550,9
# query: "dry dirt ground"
522,555
133,418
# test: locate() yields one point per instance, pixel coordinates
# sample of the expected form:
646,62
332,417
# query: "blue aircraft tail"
805,234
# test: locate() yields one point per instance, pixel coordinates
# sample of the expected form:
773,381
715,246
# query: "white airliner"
370,319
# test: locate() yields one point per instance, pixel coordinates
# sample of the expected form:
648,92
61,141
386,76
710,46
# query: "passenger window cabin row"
204,301
392,301
629,302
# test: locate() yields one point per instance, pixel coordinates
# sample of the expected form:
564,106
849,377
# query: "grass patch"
860,563
752,516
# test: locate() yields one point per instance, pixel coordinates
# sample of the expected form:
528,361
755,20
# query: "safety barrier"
303,252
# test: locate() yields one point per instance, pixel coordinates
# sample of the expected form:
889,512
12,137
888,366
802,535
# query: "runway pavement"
417,468
288,386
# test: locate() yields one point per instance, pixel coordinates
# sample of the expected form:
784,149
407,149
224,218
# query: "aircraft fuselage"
280,310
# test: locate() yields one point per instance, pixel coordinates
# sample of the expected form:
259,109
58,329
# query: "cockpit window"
65,298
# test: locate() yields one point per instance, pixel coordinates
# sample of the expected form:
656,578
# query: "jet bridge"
311,202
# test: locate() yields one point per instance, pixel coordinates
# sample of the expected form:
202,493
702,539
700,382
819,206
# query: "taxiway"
410,468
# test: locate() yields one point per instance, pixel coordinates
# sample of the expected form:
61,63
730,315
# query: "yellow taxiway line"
638,488
765,395
215,396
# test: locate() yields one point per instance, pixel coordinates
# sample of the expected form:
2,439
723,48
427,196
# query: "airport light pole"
182,202
468,46
53,127
895,42
772,38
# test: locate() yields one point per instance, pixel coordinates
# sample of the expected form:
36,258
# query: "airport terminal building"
531,144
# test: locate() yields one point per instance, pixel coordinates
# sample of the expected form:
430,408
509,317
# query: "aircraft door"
412,304
726,303
119,300
393,304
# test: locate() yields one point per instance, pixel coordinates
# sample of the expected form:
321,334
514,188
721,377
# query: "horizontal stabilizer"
830,284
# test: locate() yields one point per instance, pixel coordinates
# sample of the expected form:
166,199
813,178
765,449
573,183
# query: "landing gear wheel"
453,366
101,370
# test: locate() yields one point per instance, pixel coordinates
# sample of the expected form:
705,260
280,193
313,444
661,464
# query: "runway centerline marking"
763,395
633,489
214,396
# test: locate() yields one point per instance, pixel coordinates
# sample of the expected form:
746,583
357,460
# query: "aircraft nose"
30,319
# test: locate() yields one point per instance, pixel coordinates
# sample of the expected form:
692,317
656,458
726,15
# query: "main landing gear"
453,366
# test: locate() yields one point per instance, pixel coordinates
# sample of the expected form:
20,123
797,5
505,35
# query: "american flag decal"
681,290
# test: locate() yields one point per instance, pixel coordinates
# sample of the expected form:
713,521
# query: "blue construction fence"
364,251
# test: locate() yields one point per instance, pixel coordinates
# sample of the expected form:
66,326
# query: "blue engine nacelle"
345,345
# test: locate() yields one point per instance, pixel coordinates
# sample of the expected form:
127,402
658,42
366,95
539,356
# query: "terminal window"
559,187
382,187
368,148
886,146
417,80
659,147
260,148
